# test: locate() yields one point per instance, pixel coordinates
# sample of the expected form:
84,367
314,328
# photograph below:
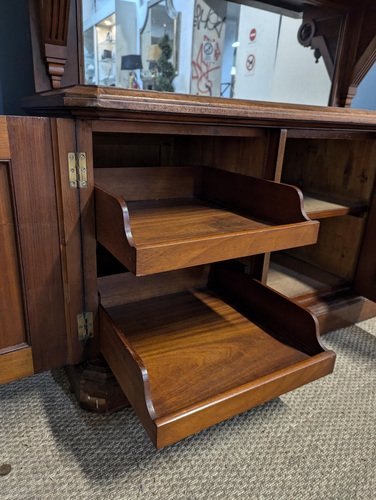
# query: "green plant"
166,71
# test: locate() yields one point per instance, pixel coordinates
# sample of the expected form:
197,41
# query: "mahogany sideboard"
200,247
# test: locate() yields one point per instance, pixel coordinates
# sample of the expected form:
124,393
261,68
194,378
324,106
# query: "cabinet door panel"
32,305
12,317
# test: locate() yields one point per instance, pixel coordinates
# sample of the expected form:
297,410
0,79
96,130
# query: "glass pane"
212,48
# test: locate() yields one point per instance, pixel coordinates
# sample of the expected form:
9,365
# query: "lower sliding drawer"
191,348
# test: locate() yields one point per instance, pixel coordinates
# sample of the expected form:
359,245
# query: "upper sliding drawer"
159,219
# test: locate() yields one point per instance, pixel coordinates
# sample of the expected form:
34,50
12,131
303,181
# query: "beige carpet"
318,442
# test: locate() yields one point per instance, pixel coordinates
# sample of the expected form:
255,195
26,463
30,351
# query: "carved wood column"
54,19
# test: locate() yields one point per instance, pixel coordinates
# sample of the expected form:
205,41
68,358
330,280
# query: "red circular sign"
252,34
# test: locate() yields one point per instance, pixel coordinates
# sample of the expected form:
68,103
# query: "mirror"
242,49
159,35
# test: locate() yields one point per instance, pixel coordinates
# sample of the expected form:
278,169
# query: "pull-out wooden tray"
188,358
165,218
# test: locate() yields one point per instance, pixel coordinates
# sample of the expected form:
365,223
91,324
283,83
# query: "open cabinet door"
32,316
365,276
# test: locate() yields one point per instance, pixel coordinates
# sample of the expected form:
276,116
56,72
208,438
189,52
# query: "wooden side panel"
84,140
16,364
340,168
34,187
12,318
337,247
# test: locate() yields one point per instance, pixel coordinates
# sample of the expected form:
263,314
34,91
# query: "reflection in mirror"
213,48
158,46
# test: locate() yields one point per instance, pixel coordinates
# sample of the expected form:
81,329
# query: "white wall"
297,78
256,82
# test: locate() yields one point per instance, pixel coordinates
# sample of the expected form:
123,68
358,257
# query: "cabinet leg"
95,387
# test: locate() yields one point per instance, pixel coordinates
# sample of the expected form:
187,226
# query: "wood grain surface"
35,197
191,353
105,102
231,218
12,314
4,140
16,364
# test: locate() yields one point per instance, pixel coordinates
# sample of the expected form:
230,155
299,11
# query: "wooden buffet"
180,238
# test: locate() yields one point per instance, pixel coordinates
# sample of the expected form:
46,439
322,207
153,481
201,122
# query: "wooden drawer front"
189,358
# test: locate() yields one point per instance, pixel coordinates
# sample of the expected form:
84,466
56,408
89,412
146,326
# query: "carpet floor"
317,442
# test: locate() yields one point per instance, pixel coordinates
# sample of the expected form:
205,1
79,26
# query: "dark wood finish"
95,387
341,169
365,62
70,229
35,198
196,335
87,227
349,40
55,28
159,234
365,275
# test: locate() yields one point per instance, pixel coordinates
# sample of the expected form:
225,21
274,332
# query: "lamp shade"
131,61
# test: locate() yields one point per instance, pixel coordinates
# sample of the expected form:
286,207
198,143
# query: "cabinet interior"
336,177
334,170
192,339
245,154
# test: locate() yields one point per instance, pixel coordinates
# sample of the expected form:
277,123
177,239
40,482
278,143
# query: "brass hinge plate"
85,326
77,168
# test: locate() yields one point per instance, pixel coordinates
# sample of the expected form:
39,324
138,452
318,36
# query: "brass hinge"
77,168
85,326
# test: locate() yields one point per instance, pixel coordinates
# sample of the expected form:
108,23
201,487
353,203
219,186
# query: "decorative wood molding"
54,20
365,62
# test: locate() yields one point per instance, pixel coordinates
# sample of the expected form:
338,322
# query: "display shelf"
189,358
321,207
164,218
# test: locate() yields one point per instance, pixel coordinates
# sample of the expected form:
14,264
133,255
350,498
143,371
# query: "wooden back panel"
148,183
340,168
